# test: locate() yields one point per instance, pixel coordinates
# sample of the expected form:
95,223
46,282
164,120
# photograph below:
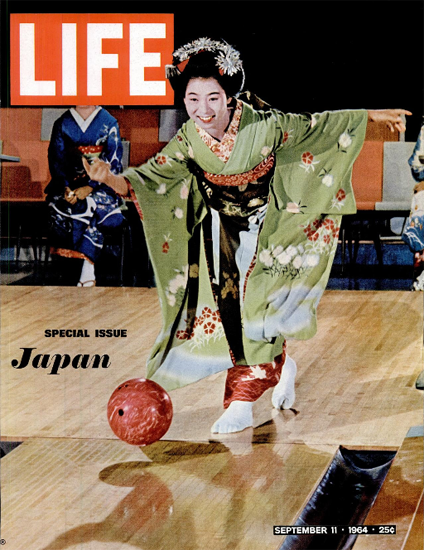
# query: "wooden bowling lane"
355,382
106,495
399,502
72,484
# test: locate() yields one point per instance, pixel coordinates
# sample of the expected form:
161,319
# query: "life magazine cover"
212,275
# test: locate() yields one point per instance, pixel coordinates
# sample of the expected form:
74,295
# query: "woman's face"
207,104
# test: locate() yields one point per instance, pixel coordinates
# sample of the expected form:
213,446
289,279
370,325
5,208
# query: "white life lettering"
28,84
69,59
96,60
139,59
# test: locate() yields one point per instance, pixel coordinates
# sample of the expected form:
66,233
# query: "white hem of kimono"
181,367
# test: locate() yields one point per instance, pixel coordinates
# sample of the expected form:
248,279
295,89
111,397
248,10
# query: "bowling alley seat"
383,187
398,183
367,181
23,209
398,188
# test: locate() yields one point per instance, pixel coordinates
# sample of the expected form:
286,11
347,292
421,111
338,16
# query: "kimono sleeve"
417,168
57,158
314,167
164,183
310,191
113,149
170,206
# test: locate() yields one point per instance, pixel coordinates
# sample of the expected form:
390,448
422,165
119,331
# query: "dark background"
298,55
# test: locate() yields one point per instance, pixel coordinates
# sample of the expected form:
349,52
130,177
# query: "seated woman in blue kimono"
413,234
241,212
80,208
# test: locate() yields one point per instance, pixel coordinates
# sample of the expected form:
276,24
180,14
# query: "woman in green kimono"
241,212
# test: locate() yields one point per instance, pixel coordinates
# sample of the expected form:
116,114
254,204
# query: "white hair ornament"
227,59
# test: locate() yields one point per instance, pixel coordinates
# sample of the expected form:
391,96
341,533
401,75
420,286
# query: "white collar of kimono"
222,149
84,124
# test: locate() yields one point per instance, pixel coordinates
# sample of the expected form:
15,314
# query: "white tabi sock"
284,395
87,277
236,418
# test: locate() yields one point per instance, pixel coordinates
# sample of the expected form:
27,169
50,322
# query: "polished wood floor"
73,484
400,501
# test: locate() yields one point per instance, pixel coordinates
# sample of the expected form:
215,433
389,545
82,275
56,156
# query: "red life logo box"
90,59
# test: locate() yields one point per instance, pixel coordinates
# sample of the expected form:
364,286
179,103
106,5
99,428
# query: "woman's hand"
70,196
99,171
391,117
419,187
78,194
82,192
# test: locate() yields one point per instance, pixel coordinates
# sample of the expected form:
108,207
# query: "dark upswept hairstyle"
216,60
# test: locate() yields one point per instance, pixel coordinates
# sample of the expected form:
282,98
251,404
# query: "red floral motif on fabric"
248,383
328,227
341,195
161,159
307,158
208,322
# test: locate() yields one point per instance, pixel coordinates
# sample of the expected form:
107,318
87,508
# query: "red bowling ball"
139,411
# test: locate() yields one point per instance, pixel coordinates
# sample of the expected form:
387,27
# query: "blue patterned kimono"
413,234
77,230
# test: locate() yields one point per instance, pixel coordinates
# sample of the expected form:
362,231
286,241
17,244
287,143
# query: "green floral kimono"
309,189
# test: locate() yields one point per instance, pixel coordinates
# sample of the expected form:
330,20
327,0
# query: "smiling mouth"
206,119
